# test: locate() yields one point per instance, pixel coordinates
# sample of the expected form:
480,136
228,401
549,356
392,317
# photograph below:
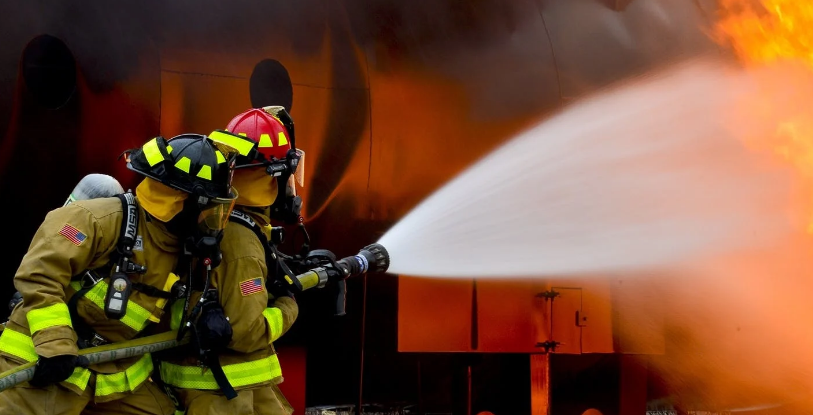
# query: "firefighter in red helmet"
265,180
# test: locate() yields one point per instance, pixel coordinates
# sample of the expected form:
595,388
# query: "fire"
779,29
765,32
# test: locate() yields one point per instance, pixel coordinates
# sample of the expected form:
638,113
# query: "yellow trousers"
266,400
25,399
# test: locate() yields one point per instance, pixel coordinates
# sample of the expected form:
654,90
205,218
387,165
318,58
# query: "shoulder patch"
251,286
72,234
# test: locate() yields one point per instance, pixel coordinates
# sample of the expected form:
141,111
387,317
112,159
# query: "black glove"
278,289
17,298
50,370
213,329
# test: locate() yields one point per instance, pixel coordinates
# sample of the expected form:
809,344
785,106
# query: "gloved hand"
50,370
213,329
277,289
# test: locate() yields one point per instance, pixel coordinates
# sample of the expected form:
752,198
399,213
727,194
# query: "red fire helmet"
264,127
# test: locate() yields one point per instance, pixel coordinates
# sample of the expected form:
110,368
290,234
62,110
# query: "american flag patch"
72,234
251,286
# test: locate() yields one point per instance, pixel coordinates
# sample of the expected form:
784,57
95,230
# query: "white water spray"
646,175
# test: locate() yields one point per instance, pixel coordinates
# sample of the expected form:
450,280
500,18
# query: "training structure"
390,100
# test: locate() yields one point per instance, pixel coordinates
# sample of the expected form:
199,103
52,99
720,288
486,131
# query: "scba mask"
211,219
287,207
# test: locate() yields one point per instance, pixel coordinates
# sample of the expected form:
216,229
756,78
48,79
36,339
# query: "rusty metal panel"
564,330
510,318
596,316
540,384
434,315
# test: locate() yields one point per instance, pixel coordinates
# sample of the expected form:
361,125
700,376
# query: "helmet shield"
214,215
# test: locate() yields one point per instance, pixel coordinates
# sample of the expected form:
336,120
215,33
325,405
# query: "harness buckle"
90,278
97,340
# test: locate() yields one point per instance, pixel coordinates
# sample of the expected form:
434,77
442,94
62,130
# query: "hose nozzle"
377,257
373,258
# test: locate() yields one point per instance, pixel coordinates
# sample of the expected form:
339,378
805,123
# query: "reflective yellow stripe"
177,315
242,145
183,164
136,316
17,344
126,381
220,157
53,315
265,141
79,378
273,316
152,152
205,172
281,139
239,374
22,346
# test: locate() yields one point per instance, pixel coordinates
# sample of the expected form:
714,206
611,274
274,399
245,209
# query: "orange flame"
763,32
780,29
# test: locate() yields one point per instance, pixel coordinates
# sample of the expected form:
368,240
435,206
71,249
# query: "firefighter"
257,317
72,287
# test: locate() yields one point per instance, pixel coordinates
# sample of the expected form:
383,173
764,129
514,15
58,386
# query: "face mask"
211,220
288,206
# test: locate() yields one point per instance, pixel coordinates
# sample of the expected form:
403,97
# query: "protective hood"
161,201
254,187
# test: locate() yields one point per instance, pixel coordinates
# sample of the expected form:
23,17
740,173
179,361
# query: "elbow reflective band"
136,317
17,344
53,315
22,346
239,374
273,316
126,381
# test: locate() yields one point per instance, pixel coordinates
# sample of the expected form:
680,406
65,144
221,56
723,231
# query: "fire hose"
100,354
319,268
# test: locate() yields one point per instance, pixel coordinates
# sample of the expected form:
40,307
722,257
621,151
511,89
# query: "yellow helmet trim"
265,141
205,172
152,153
243,147
281,138
183,164
220,157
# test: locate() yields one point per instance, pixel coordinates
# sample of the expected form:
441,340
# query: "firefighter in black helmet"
66,277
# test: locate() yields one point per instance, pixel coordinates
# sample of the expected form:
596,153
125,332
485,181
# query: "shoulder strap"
129,225
273,258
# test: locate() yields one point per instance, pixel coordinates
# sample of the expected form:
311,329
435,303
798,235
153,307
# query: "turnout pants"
25,399
266,400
